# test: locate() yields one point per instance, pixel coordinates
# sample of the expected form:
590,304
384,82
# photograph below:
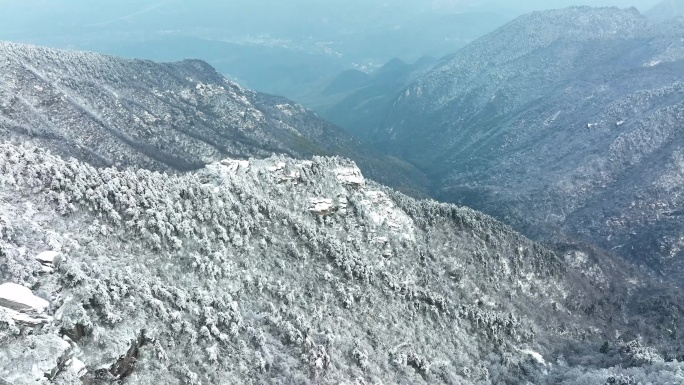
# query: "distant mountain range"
561,122
114,111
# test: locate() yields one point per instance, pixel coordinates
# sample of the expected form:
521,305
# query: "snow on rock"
47,257
233,165
322,206
37,361
17,297
209,90
47,260
279,166
25,319
350,175
76,366
294,176
383,211
537,357
342,204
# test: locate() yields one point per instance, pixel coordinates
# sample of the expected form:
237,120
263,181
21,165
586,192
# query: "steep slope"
114,111
289,271
562,121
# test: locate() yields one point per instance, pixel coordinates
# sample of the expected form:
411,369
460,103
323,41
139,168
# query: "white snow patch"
550,120
279,166
47,257
77,367
321,205
350,175
285,108
576,258
537,357
383,212
19,298
233,165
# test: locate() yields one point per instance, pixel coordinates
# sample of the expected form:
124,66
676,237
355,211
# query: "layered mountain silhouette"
162,116
561,122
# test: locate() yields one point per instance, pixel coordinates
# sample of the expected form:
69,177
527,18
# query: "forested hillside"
299,272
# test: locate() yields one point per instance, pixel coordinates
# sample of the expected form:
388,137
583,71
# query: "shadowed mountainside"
562,121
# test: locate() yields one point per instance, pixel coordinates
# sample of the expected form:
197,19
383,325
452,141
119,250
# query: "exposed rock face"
162,116
350,175
322,206
561,122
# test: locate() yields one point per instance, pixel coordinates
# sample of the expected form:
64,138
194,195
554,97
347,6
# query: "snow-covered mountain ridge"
162,116
298,272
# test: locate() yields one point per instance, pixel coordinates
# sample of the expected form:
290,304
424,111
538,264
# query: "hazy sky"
261,42
89,24
21,13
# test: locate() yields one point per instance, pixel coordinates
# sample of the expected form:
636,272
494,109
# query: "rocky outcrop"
47,260
20,298
351,176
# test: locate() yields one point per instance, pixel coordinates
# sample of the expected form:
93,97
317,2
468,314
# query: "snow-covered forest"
296,272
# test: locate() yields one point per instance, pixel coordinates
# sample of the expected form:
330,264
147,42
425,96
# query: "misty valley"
447,192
